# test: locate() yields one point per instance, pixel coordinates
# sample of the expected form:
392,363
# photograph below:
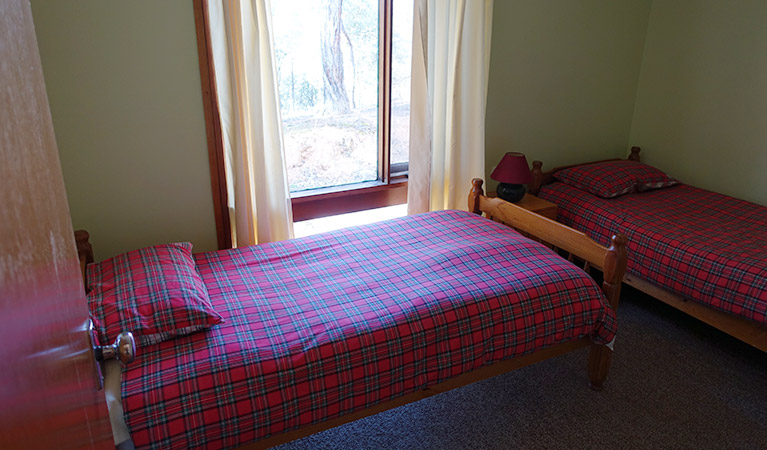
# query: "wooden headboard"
540,177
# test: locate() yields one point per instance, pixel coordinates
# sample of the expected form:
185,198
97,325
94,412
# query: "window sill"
315,203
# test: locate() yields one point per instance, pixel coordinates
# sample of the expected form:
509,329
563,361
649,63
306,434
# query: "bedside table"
536,205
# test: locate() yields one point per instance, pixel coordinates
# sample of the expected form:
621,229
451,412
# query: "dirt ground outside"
333,150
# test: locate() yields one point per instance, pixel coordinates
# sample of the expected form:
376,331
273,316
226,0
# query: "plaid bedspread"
329,324
704,246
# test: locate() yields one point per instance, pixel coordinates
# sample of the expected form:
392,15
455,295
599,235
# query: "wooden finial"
84,249
634,156
474,194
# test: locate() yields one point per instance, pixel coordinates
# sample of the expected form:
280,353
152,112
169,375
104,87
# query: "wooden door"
48,393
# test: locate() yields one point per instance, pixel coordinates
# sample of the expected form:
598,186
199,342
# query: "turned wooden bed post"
614,268
474,193
634,156
537,182
84,252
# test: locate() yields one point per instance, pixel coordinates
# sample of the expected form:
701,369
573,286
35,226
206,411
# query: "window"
343,69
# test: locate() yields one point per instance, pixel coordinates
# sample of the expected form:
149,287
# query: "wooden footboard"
611,261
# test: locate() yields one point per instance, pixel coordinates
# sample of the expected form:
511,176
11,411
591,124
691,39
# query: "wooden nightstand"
536,205
539,206
532,203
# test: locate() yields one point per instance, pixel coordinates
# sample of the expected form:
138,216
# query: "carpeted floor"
674,383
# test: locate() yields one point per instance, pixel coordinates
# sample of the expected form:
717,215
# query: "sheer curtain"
248,100
451,59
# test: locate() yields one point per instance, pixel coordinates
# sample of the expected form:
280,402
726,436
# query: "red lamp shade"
513,169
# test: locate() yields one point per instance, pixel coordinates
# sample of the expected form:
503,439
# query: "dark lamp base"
511,192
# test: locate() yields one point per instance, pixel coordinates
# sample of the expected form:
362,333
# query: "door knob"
123,349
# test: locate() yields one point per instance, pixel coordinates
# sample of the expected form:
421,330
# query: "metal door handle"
123,349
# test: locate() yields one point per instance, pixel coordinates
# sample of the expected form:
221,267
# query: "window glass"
326,57
402,41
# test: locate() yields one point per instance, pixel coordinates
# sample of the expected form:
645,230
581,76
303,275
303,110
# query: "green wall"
701,110
124,88
563,79
569,81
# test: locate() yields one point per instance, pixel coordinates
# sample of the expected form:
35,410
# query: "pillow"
154,292
611,179
652,178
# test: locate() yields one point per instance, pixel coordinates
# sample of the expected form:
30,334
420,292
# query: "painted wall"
701,110
124,88
563,79
123,85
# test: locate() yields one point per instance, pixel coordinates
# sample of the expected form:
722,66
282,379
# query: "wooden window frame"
389,189
212,125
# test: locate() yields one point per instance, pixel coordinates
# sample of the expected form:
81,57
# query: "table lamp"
513,173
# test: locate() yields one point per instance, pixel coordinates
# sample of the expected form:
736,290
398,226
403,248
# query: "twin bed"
702,252
261,345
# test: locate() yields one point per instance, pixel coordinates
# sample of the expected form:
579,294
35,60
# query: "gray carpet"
674,383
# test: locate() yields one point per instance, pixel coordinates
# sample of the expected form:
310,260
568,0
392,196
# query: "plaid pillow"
611,179
154,292
651,178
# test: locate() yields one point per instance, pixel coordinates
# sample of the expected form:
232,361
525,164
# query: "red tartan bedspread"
704,246
321,326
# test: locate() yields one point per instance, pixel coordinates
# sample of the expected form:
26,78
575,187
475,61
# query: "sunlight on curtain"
259,200
451,59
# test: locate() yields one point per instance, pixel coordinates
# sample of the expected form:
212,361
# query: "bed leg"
599,364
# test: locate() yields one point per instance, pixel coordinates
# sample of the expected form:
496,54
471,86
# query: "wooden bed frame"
748,331
612,261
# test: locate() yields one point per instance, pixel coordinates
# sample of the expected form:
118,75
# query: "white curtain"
451,59
248,101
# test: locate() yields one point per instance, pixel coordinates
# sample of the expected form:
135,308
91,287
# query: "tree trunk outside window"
332,56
